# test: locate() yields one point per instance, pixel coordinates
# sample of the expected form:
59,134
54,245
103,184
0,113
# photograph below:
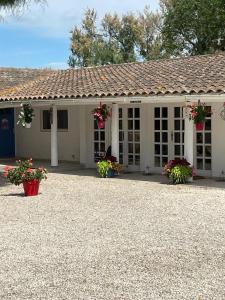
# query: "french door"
101,140
168,134
129,137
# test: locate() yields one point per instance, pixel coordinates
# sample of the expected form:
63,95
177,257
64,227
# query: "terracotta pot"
101,124
31,188
200,126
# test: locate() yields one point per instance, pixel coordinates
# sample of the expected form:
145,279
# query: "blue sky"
39,35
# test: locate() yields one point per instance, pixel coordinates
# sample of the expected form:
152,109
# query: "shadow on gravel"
14,195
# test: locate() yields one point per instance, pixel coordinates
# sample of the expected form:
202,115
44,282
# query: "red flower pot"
200,126
31,188
101,124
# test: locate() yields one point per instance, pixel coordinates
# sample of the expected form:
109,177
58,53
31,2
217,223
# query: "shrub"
179,170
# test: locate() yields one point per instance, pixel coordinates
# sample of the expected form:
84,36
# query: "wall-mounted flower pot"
31,188
200,126
101,124
27,125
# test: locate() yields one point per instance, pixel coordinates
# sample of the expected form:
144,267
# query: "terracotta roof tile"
197,74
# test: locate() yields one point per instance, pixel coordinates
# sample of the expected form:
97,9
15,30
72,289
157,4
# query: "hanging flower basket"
26,115
200,126
198,113
101,114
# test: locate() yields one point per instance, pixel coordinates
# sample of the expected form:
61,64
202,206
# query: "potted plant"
178,170
108,167
101,114
198,114
26,115
26,175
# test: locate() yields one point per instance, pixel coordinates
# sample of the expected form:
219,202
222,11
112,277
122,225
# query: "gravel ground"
132,237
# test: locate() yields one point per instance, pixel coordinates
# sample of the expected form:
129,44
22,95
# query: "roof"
12,77
190,75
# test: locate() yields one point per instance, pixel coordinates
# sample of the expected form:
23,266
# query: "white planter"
27,125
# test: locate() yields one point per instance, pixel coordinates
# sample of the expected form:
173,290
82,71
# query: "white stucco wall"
36,143
76,144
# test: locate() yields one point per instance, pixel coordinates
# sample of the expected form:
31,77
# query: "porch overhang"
207,98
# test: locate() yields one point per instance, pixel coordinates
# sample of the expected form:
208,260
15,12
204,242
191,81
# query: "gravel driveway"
129,238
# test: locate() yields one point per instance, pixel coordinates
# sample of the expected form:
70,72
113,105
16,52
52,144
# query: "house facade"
149,124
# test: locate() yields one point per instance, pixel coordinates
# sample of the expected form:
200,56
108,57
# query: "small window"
62,116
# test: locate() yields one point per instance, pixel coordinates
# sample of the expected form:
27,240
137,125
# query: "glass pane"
157,161
177,124
96,147
96,135
102,135
208,164
157,112
199,150
130,124
102,147
130,113
121,159
120,124
120,147
130,160
208,125
137,160
130,136
157,149
137,136
177,112
130,148
137,112
165,149
182,124
62,119
120,113
120,136
207,138
137,124
199,163
177,149
164,137
164,112
95,124
157,137
164,124
199,138
137,148
157,124
46,119
208,151
164,161
209,111
177,137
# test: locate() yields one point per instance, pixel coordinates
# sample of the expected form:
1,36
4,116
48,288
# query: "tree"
118,39
15,3
193,27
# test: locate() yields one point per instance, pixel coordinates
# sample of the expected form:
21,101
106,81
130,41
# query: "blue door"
7,139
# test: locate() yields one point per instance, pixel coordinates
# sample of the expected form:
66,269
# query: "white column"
54,138
188,138
115,130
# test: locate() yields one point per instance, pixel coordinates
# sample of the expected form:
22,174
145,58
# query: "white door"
203,148
168,135
129,137
101,140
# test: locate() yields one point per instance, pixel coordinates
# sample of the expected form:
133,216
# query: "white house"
149,124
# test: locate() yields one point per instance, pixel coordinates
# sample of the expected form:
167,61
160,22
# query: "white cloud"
57,65
57,17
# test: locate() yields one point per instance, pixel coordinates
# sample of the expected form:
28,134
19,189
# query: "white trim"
115,130
54,138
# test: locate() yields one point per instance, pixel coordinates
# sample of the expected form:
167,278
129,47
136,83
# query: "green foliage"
180,174
9,4
24,172
26,115
103,167
117,39
193,27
